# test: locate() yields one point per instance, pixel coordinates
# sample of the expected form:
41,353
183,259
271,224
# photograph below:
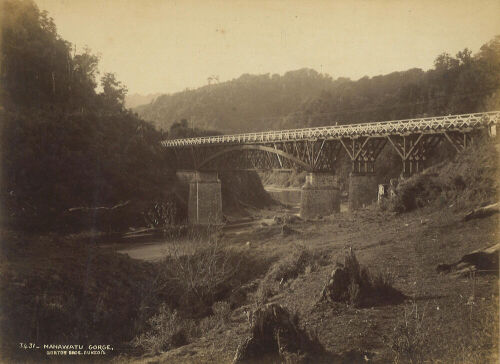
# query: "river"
157,248
285,195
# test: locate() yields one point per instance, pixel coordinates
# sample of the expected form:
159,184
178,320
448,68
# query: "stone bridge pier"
320,195
205,198
363,190
363,153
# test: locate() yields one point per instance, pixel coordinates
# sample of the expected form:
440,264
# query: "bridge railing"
384,128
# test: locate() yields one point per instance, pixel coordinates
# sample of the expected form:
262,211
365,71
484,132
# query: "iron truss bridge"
317,149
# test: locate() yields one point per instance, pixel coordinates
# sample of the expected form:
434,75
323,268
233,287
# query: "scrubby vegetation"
420,334
56,290
469,180
201,270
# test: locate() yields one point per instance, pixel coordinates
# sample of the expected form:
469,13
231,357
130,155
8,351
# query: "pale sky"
169,45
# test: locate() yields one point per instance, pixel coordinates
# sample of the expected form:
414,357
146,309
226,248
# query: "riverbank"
408,247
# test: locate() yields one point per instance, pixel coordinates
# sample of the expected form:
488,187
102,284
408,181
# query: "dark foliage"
64,144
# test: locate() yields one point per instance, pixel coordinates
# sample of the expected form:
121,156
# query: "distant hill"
135,100
461,84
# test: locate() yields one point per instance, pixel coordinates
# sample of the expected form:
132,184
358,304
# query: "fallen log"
482,212
99,208
480,261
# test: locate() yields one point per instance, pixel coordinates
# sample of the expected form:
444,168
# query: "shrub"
432,336
467,181
167,330
292,264
201,270
409,338
222,311
416,192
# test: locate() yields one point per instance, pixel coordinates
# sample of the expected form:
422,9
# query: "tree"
114,92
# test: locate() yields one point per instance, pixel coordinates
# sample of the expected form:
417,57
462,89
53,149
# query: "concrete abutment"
320,195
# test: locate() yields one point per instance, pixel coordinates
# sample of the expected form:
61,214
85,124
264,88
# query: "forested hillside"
63,143
250,102
456,84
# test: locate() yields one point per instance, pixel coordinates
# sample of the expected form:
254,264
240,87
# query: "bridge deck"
462,122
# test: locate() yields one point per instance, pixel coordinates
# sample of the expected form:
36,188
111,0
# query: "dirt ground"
445,318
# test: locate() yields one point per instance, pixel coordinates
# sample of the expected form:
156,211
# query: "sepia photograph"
249,181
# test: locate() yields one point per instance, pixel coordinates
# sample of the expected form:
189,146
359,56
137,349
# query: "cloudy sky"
170,45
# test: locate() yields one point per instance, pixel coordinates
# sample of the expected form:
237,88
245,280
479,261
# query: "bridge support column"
205,199
414,149
363,190
320,195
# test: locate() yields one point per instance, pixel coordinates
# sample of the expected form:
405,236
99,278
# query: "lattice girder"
429,125
317,149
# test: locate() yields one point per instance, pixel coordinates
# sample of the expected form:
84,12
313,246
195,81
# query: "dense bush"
200,270
167,331
64,144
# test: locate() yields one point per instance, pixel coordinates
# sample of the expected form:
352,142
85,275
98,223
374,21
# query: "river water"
285,195
156,250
